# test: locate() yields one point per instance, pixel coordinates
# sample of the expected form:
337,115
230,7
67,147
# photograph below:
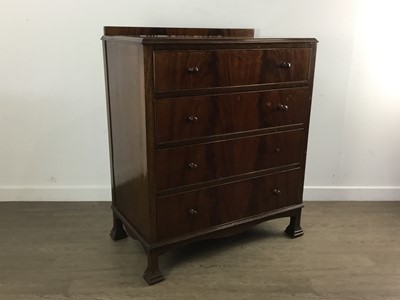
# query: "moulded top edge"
208,40
218,40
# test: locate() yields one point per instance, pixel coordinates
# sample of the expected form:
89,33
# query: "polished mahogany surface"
183,70
204,162
126,114
201,209
208,133
194,117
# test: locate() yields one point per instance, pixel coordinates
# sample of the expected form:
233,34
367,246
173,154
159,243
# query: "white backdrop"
53,132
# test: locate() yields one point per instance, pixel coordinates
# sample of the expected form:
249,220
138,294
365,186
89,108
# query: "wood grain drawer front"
192,117
199,163
183,70
189,212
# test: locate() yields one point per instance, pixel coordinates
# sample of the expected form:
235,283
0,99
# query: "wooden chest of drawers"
208,133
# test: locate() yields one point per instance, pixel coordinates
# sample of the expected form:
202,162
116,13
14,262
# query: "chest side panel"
127,132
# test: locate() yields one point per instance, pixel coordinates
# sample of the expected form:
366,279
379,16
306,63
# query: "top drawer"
189,69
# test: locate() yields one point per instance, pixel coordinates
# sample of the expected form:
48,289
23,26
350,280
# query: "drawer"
193,211
192,117
189,69
192,164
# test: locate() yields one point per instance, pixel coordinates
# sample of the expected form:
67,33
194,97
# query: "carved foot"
294,232
118,232
152,275
294,229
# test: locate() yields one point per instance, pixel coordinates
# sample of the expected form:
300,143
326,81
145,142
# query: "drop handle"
192,165
193,69
285,65
277,150
192,211
193,118
276,192
283,107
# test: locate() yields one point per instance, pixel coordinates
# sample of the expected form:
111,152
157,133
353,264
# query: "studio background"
53,126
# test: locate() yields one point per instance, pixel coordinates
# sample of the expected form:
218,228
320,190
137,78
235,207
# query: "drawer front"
184,70
199,163
192,117
193,211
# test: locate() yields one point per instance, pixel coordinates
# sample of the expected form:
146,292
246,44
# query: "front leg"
294,229
152,275
117,232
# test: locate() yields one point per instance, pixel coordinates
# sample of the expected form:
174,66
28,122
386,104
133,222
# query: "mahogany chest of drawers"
208,133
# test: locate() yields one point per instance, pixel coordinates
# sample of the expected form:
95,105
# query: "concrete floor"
350,250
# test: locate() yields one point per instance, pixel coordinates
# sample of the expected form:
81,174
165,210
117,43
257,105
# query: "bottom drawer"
192,211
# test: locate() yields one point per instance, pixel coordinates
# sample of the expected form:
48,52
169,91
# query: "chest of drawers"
208,133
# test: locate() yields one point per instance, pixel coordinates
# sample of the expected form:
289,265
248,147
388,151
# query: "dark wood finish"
229,113
230,89
175,31
224,180
294,229
208,133
192,211
117,231
128,133
184,70
152,274
203,162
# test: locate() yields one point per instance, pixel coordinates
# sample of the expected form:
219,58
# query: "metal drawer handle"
192,119
276,192
283,107
285,65
277,150
192,211
193,69
192,165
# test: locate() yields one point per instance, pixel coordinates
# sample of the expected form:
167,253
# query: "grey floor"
350,250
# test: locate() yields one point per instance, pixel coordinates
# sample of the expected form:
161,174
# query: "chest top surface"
165,36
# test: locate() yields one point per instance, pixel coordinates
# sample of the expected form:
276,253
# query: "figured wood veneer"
208,133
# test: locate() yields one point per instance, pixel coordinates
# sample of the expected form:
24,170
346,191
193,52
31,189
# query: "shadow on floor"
204,249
